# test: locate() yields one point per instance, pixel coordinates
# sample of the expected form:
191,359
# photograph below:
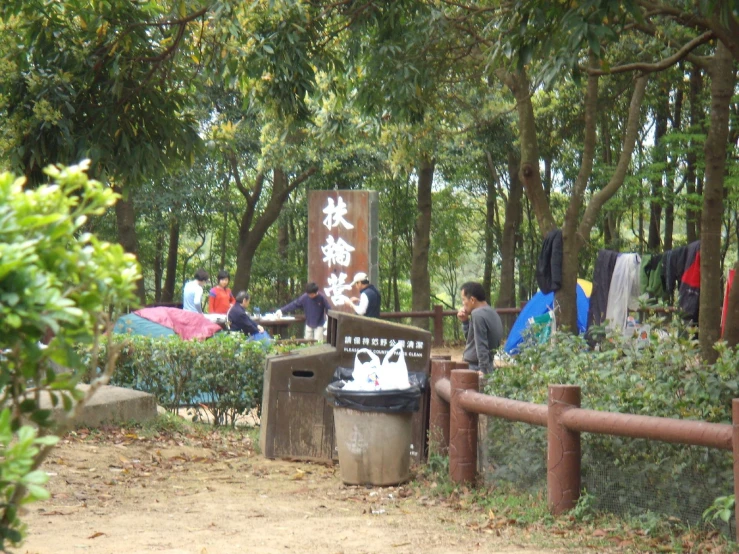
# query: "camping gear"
162,321
540,304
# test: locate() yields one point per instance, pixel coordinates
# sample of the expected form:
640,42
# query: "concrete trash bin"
374,434
374,448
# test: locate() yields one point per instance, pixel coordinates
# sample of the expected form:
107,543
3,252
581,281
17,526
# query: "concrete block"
112,405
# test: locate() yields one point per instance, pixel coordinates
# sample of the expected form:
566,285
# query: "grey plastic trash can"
374,433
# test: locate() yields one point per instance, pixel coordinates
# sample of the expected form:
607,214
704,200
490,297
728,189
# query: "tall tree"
101,81
723,79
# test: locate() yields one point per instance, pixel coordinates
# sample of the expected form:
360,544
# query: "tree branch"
617,179
659,66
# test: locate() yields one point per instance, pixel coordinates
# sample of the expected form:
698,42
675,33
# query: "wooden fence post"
735,449
463,429
438,326
439,409
563,451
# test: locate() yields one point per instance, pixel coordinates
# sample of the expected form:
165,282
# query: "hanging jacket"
676,262
549,264
624,292
651,276
690,283
604,264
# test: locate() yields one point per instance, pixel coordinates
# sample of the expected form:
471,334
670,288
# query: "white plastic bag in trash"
393,374
366,373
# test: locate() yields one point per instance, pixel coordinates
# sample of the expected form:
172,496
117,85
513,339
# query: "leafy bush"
661,377
54,279
225,372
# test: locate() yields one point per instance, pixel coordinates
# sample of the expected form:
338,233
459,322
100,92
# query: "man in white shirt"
192,294
368,302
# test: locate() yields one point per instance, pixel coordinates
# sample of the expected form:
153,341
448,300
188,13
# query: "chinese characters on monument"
342,240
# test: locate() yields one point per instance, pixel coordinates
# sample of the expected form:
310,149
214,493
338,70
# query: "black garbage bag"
415,378
384,401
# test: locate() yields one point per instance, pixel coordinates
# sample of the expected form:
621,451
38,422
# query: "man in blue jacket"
239,320
315,306
368,301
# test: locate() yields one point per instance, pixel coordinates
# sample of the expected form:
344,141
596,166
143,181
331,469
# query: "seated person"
220,298
239,320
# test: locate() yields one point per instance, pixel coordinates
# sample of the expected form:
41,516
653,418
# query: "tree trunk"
158,266
253,227
513,213
731,326
126,220
171,278
283,245
659,157
571,243
672,188
567,296
420,280
691,176
529,173
722,87
491,203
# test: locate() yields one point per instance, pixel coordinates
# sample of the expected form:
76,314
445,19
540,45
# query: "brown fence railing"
456,403
438,314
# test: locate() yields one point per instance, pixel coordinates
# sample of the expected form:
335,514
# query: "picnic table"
273,325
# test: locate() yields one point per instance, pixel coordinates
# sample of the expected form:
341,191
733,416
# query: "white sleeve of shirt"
199,299
361,309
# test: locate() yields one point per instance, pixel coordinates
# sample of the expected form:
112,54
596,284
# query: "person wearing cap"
482,327
315,306
368,302
192,294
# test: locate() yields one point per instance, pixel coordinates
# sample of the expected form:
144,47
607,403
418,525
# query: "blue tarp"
132,324
540,304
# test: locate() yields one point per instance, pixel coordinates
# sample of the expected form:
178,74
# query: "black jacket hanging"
604,264
549,265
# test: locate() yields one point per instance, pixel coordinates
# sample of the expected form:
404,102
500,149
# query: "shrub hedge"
664,377
225,372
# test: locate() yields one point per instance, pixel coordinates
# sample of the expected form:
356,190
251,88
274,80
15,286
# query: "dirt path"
118,492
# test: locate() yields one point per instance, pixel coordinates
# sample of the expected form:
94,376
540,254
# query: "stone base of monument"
111,405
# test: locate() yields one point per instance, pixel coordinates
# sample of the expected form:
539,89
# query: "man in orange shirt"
220,298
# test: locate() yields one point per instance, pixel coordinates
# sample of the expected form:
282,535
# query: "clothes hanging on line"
549,264
674,267
652,280
725,309
623,294
690,283
604,264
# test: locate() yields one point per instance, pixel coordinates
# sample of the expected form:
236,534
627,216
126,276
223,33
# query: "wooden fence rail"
437,314
456,403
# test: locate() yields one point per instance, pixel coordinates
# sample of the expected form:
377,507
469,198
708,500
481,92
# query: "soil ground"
115,491
118,490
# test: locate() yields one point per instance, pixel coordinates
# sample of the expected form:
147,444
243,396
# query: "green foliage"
722,508
54,279
583,510
20,448
224,372
99,80
664,377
